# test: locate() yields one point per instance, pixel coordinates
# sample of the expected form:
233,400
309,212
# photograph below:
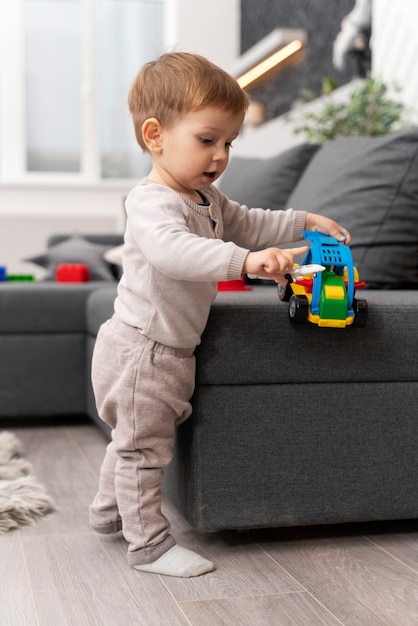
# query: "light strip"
269,63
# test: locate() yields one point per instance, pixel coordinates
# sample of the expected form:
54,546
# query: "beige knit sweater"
176,251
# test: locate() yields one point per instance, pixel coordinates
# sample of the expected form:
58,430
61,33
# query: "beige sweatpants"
142,391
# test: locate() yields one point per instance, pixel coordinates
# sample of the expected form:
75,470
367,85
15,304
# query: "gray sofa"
43,332
292,424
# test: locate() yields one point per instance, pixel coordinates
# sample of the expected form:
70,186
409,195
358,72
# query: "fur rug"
23,501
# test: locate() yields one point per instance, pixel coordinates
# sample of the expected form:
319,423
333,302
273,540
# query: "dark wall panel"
321,19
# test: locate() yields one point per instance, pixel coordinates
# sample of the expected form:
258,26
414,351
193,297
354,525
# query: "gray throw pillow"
266,183
370,185
75,249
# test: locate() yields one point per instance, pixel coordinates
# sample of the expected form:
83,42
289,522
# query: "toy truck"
322,289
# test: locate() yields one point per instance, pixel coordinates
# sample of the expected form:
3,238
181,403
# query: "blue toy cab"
326,298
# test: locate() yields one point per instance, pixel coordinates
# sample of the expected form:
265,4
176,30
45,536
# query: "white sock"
178,561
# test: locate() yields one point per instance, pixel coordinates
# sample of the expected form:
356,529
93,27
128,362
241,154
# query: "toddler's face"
195,149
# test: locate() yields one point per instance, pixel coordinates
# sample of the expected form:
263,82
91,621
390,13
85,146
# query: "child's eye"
228,145
206,141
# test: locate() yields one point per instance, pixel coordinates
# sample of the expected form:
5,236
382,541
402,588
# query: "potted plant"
369,111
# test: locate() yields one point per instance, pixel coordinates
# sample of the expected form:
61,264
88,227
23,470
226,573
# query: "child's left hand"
327,226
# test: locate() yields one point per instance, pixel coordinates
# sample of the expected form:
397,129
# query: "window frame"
179,32
13,141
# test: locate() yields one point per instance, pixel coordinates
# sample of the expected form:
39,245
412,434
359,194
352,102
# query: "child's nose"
221,154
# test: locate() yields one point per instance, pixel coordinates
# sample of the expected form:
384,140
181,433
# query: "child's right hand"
272,263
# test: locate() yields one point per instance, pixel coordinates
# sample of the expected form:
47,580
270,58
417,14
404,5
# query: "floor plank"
400,540
16,602
290,609
91,443
358,582
60,572
61,466
242,568
87,582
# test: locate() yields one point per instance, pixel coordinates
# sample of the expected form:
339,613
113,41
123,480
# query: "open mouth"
209,175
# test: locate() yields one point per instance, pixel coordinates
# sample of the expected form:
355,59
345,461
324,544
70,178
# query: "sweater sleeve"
259,228
178,242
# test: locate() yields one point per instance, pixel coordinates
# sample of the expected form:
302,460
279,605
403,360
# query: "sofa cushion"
255,325
42,374
75,249
266,183
44,308
370,185
99,307
107,239
114,255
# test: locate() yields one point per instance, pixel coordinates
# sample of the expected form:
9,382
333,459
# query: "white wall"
29,213
210,28
395,47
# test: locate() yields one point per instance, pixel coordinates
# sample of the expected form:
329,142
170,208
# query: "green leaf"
370,111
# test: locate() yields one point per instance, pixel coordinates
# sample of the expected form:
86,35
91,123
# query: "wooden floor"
60,573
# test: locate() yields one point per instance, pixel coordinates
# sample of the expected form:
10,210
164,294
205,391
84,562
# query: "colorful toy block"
72,273
233,285
27,278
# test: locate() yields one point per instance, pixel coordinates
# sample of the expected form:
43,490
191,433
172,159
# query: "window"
66,67
52,83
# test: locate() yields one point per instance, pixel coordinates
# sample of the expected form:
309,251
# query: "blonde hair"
178,83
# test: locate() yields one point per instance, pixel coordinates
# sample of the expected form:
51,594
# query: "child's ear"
152,135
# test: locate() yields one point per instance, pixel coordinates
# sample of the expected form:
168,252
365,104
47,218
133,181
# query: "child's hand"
327,226
272,263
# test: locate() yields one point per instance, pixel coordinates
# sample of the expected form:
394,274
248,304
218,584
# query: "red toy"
233,285
72,273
